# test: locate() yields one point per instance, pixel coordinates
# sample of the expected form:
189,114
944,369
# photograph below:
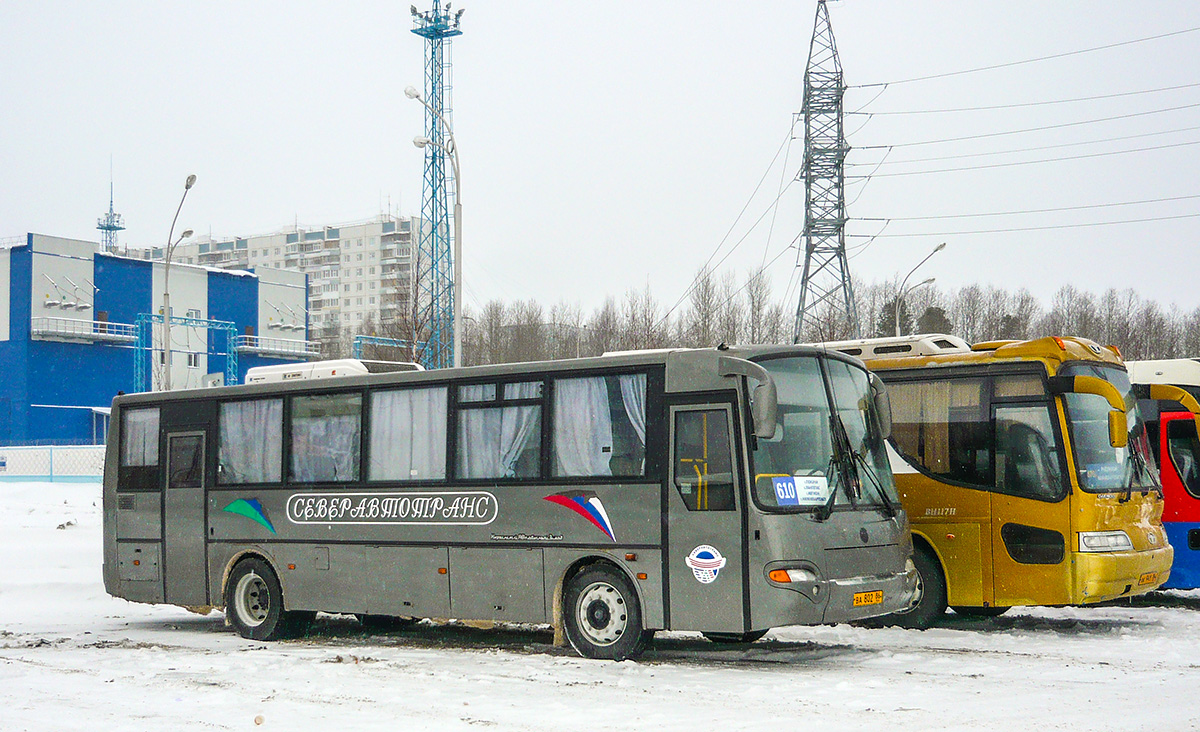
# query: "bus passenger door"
184,544
705,562
1031,520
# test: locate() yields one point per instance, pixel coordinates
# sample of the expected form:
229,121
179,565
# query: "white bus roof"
1179,371
929,344
324,370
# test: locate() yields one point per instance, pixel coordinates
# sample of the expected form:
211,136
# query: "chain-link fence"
52,463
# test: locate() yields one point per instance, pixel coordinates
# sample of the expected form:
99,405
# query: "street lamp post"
166,329
421,141
901,292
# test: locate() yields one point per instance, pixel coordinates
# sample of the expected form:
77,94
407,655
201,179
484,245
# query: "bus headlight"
1104,541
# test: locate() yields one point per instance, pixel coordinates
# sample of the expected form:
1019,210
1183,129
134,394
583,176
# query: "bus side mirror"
1118,429
1169,393
764,405
883,406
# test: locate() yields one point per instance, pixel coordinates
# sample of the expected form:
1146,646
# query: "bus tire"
254,603
603,618
931,589
979,612
735,637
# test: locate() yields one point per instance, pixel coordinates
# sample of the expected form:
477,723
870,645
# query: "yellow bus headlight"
1104,541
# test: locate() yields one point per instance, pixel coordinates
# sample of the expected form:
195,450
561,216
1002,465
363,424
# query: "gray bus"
726,491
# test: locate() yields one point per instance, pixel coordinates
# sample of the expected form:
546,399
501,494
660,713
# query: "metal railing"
45,327
278,346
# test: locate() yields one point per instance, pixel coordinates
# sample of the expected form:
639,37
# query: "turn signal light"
1061,343
137,562
291,566
641,575
631,557
442,570
784,576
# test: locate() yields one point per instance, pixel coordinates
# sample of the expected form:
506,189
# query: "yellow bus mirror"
1099,387
1118,429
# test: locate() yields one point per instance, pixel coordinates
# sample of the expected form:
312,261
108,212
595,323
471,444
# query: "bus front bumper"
858,598
1108,575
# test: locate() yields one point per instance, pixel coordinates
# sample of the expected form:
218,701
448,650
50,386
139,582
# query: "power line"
1022,104
1032,228
1026,61
1029,211
937,158
1032,162
1030,129
696,280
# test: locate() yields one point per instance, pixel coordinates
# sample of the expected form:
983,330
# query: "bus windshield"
1103,468
796,468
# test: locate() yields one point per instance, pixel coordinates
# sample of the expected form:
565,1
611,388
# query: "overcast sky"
610,145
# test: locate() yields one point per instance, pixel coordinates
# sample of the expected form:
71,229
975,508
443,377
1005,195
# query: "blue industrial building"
78,325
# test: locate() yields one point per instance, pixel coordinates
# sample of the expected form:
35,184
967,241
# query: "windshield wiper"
843,463
888,508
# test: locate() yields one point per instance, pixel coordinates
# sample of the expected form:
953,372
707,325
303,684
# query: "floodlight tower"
825,284
435,286
110,223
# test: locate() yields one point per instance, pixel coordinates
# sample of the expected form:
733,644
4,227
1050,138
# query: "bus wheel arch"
598,610
253,598
931,588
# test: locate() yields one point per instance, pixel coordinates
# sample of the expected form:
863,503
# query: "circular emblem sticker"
705,562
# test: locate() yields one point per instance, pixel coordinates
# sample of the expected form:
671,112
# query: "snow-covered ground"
73,658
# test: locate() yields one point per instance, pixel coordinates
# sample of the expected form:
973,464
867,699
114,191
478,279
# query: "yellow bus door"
1031,519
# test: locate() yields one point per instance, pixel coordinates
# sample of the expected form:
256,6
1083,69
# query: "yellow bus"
1025,470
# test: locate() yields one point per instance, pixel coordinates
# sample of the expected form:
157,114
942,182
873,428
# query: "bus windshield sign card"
808,490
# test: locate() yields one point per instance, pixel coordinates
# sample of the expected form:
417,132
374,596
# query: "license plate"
1148,578
868,598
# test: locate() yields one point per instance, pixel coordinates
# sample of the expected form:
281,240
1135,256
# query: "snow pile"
73,658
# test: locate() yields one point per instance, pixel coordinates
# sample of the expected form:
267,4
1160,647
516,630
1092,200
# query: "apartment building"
357,272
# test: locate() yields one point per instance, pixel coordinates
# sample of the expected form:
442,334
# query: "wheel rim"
601,614
918,595
251,600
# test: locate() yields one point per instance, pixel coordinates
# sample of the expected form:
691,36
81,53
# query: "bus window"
1185,452
600,426
326,438
251,443
703,461
408,434
186,460
943,426
855,406
801,447
139,437
500,441
1026,454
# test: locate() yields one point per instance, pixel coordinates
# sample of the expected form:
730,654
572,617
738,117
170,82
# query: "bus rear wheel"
735,637
930,605
603,618
254,604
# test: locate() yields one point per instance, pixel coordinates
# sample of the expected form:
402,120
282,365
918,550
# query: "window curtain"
492,440
633,393
408,434
251,442
325,439
140,436
583,438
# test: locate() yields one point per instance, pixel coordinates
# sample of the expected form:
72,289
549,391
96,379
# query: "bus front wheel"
931,594
603,617
254,603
